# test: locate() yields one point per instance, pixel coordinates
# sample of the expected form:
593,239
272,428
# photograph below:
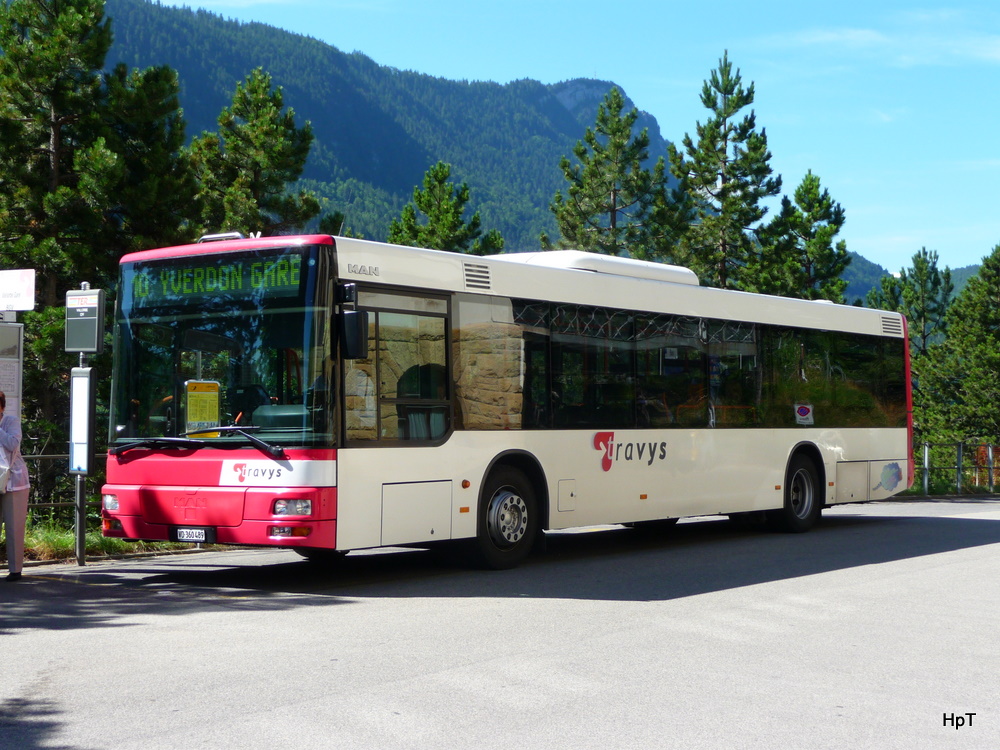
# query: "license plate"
191,535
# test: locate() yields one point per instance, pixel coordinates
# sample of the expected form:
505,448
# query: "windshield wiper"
275,451
157,442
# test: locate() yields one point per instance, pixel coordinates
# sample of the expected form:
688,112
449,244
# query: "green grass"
50,540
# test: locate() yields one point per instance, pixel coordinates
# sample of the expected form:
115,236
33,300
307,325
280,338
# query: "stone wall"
487,357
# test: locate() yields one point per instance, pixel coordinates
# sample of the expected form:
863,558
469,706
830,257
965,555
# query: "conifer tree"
243,170
611,197
442,226
923,294
58,174
962,377
155,205
727,174
804,261
83,159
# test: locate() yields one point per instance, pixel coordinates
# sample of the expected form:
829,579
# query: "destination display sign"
206,276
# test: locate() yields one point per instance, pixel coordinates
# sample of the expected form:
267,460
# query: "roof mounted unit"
606,264
892,326
220,237
477,276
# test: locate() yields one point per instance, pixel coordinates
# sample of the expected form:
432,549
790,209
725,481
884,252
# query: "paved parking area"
876,630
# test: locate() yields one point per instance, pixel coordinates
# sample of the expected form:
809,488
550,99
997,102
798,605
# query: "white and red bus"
334,394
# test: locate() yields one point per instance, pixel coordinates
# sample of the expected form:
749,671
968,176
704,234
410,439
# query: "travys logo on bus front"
640,452
278,473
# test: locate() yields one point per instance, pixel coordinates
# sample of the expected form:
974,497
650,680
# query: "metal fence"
52,485
942,469
958,468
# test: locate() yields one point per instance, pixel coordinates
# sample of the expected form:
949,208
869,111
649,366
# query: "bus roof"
561,276
585,278
227,246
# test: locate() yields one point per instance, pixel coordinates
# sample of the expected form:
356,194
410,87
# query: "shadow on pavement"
30,724
614,564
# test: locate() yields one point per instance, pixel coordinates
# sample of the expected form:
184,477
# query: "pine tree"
442,226
888,295
84,159
611,198
923,294
155,204
962,378
806,263
58,175
244,169
727,175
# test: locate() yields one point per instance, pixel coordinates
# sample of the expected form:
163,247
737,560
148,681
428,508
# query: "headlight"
293,507
110,502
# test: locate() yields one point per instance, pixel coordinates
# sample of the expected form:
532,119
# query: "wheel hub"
507,518
801,494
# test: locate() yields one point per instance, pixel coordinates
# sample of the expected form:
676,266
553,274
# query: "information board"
11,364
85,321
202,406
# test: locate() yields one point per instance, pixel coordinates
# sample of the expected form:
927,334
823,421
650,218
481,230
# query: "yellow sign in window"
202,406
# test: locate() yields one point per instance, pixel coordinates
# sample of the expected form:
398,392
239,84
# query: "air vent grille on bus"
477,276
892,326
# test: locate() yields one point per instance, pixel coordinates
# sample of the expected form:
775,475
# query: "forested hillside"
378,129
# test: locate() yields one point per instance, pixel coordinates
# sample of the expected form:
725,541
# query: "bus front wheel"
803,498
508,519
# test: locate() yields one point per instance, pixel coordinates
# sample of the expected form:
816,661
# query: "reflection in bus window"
360,413
734,373
400,392
255,344
671,372
592,381
585,367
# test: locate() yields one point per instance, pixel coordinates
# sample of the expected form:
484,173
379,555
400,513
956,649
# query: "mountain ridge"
378,129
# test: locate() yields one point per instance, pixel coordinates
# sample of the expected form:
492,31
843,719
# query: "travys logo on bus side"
639,451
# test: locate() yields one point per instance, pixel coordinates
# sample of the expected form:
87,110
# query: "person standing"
15,495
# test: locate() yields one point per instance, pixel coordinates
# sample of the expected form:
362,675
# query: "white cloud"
839,38
905,40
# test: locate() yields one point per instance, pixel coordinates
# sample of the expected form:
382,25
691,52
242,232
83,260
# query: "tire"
508,521
803,498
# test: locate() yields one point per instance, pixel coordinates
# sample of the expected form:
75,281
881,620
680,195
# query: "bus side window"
413,391
671,368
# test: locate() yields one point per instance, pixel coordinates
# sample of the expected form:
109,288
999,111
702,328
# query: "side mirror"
353,334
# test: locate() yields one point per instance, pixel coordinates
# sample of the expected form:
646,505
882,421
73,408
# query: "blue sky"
890,103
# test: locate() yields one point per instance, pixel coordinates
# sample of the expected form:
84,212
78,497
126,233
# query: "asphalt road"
876,630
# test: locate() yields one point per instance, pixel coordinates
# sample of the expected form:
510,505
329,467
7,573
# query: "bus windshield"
236,340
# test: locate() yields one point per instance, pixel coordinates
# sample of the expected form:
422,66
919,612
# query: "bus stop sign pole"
84,335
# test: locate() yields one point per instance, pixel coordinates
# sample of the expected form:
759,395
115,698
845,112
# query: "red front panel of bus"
229,495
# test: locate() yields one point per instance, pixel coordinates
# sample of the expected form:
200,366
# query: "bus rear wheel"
508,519
803,499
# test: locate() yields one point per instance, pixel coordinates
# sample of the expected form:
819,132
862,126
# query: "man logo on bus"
627,451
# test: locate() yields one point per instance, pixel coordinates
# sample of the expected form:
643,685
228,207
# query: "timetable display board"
203,399
11,364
